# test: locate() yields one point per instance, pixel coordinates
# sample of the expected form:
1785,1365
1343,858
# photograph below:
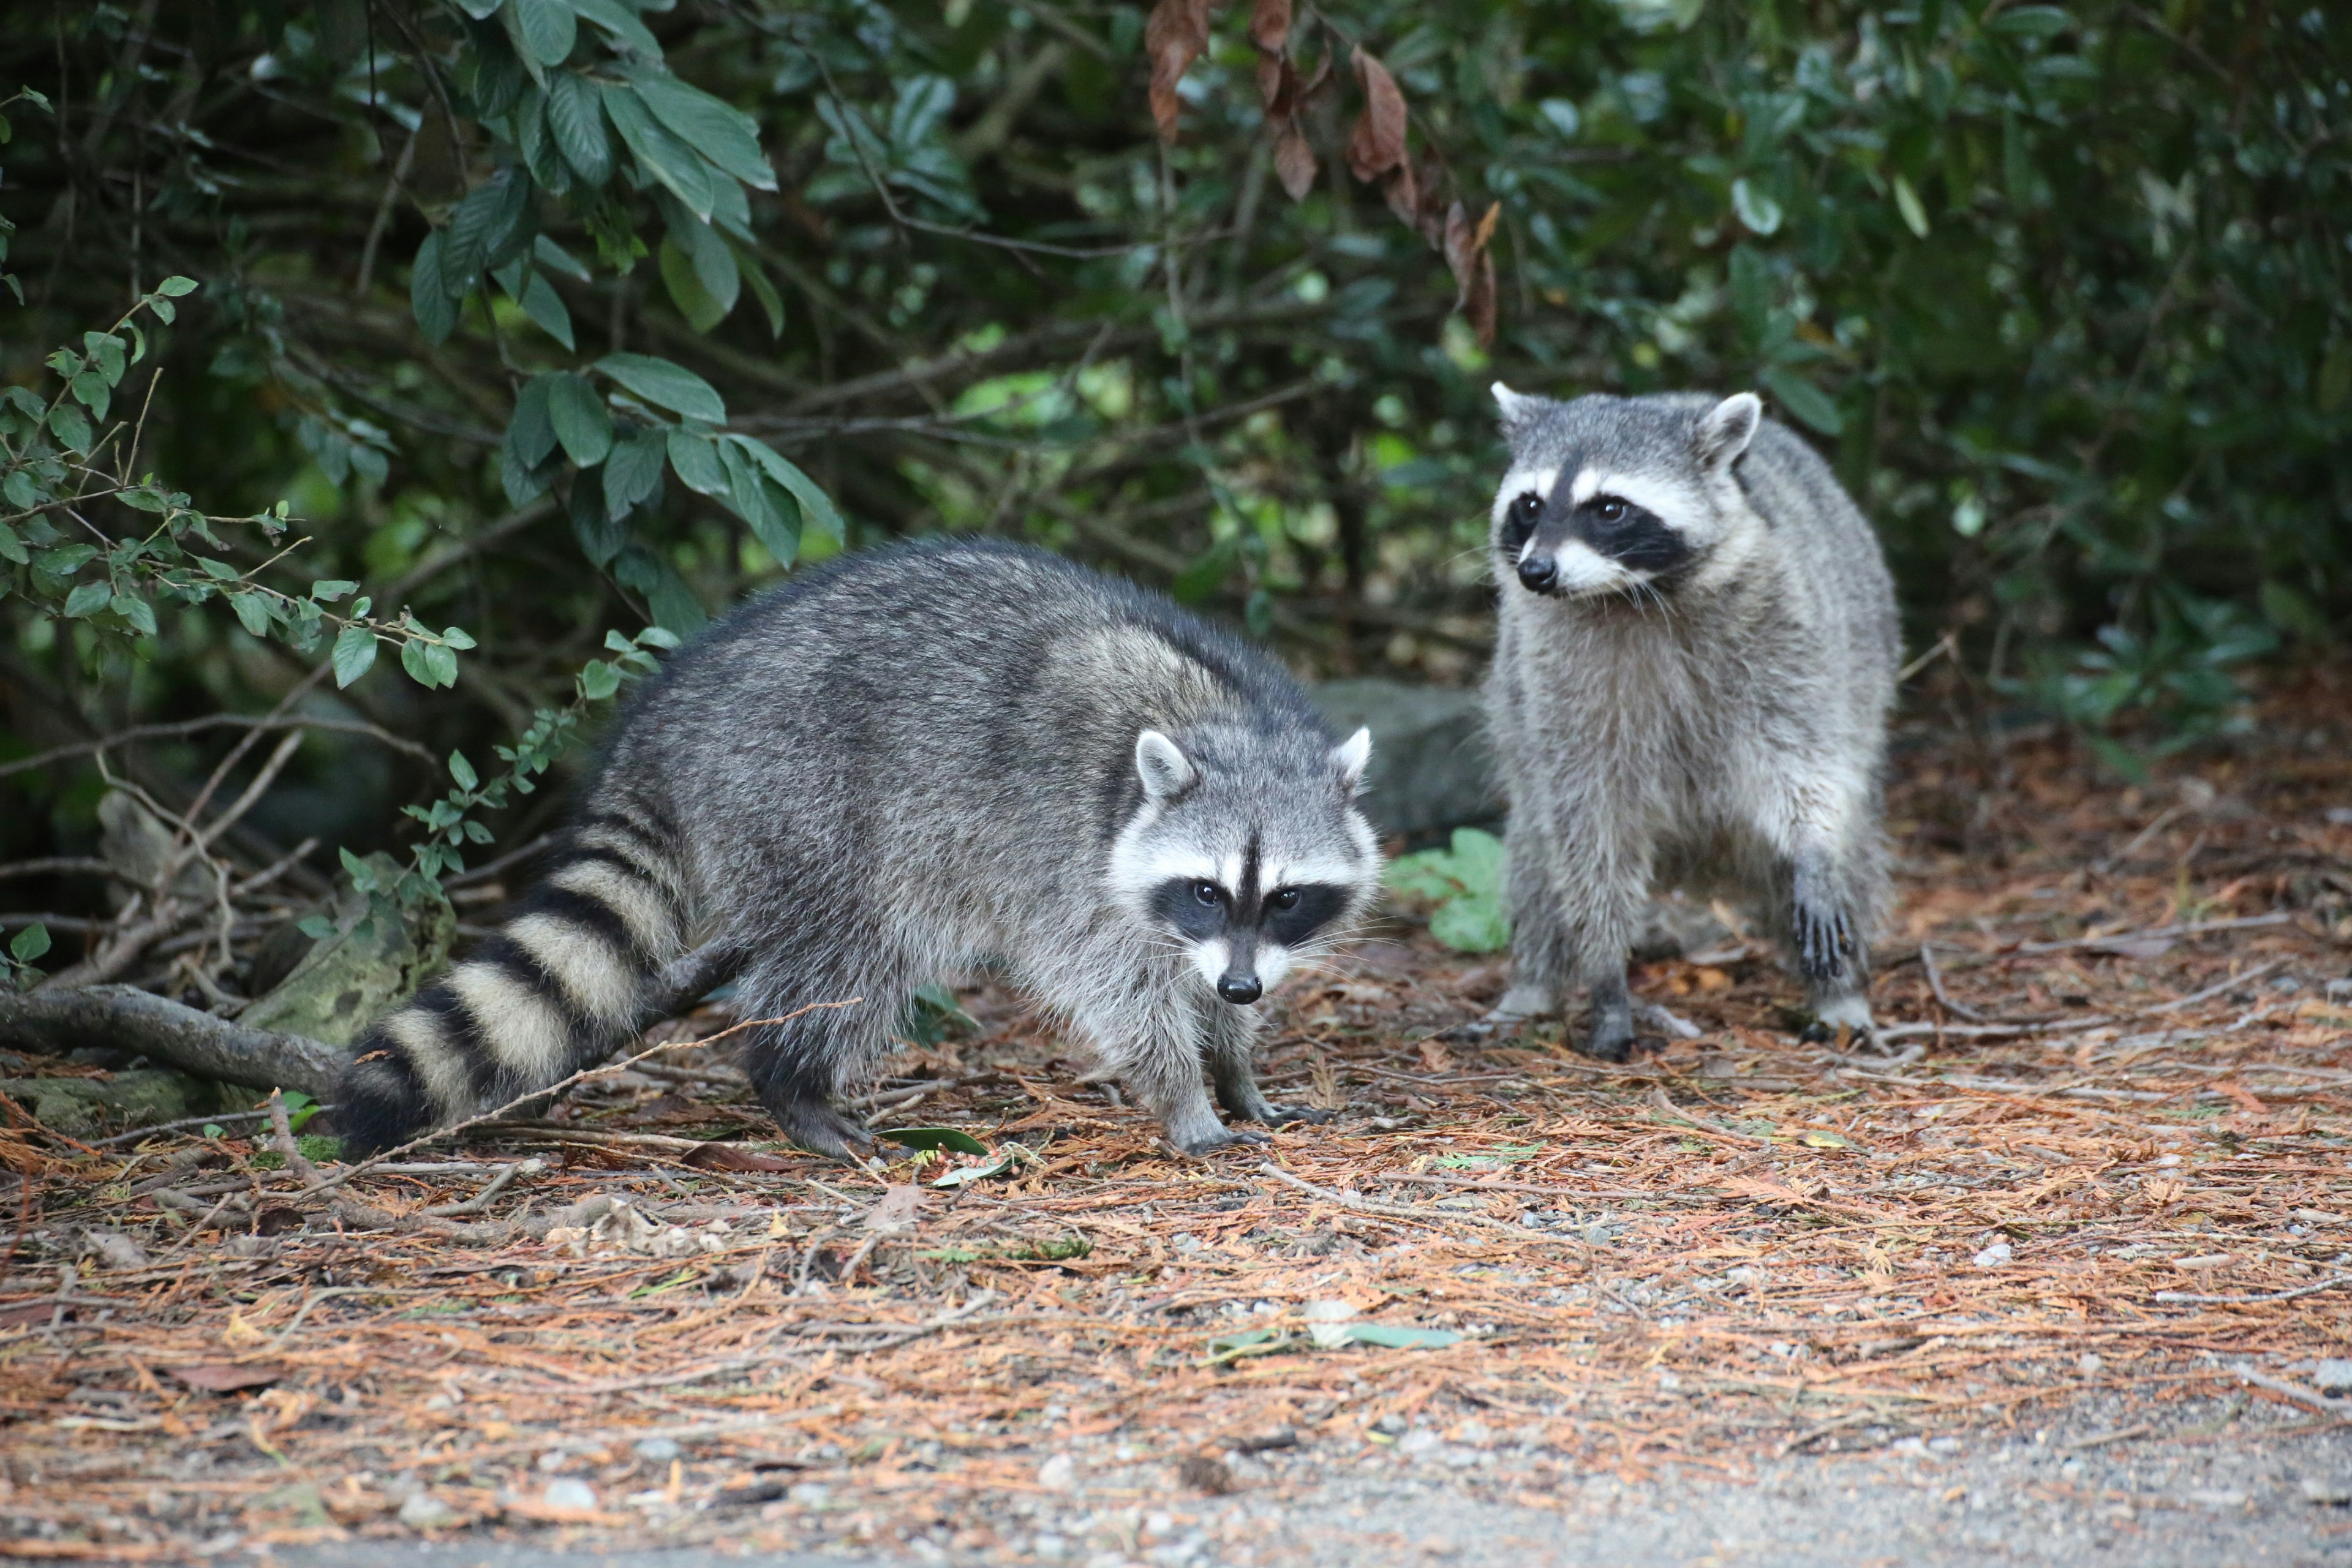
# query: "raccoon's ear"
1350,757
1517,409
1727,428
1165,771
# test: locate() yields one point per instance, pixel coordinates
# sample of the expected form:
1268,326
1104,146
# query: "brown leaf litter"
2112,1164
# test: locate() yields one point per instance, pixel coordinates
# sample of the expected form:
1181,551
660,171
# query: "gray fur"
893,768
1713,717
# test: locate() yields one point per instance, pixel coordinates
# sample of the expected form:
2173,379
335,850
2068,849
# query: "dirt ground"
2064,1274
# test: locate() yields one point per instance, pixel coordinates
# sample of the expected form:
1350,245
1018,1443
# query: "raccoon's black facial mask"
1610,526
1203,911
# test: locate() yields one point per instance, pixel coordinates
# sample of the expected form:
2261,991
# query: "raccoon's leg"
1827,932
1150,1033
1609,1029
1540,961
1231,1034
798,1067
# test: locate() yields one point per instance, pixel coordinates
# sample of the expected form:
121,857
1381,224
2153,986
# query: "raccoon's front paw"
1223,1138
1521,1003
822,1130
1822,939
1610,1040
1283,1115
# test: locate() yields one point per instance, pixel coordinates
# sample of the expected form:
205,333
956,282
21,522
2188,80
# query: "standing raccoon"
1695,657
895,766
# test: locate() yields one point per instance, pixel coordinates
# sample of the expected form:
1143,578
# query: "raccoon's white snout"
1243,974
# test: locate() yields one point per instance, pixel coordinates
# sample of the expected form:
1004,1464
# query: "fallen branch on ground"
55,1021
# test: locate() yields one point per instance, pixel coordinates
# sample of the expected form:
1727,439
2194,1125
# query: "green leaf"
2033,22
87,599
546,309
252,609
93,391
29,943
552,257
694,301
954,1138
483,230
530,434
575,113
66,559
672,163
666,386
20,489
633,471
136,610
414,659
816,507
463,772
332,588
13,548
354,653
579,419
598,681
669,601
696,459
616,18
1474,923
1395,1339
751,495
772,303
1803,399
71,425
1756,209
1907,202
601,534
721,133
428,300
547,29
173,288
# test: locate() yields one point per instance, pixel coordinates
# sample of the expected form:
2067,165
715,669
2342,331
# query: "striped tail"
570,976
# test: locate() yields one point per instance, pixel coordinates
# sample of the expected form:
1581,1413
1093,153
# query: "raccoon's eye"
1206,891
1526,508
1283,898
1609,509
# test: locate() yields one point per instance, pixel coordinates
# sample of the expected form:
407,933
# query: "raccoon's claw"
1822,939
1283,1115
822,1130
1223,1138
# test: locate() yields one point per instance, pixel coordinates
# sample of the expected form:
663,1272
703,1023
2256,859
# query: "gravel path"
2233,1502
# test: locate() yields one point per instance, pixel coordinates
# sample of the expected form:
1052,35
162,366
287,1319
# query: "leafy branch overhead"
1178,34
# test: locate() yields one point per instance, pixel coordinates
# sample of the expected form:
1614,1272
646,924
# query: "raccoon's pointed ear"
1727,428
1350,757
1165,771
1517,409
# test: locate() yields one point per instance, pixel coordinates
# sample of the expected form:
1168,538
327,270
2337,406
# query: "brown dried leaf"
898,1210
227,1378
1403,192
735,1157
1377,143
1270,25
1480,306
1294,160
1176,35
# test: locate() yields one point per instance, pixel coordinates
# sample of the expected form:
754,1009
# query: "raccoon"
897,765
1695,657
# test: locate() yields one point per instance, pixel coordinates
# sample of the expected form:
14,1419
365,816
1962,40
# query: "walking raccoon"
895,766
1695,657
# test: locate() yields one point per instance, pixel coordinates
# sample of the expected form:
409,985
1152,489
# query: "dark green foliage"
542,318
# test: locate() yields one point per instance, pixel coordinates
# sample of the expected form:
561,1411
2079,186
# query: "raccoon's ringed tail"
565,980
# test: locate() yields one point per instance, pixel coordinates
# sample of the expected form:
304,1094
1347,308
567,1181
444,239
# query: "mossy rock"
347,980
90,1107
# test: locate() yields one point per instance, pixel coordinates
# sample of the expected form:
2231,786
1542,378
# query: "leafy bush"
538,321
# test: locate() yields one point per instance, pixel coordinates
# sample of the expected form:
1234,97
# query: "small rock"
569,1492
1327,1323
1208,1474
1414,1444
116,1250
2326,1492
2332,1374
2218,1497
1943,1447
810,1494
1994,1256
1058,1474
1392,1425
659,1450
1049,1548
2089,1364
422,1510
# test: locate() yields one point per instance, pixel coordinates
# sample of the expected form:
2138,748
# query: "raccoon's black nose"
1539,573
1240,989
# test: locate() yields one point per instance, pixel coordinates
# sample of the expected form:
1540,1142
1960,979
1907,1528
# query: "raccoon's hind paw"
1223,1138
822,1130
1822,939
1283,1115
